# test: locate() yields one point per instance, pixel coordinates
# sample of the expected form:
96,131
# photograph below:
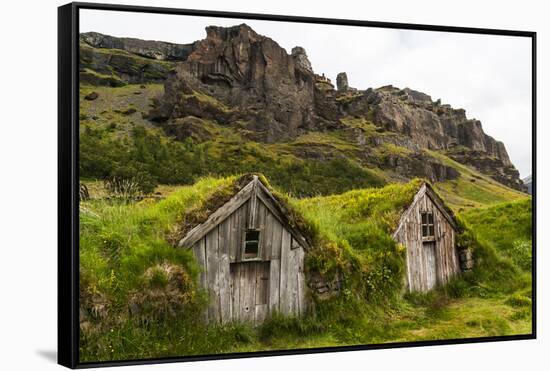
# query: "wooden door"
430,265
249,291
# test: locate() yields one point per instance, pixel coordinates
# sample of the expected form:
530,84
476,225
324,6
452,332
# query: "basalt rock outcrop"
273,92
434,126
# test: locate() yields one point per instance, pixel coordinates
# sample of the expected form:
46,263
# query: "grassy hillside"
117,139
472,189
507,227
140,299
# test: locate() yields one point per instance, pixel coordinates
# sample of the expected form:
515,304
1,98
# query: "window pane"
431,218
424,218
252,235
251,249
424,231
431,230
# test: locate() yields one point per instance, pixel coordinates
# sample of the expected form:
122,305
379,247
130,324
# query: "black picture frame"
68,200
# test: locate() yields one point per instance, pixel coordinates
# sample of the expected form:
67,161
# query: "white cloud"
489,76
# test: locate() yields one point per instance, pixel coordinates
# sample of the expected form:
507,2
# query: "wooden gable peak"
254,192
426,189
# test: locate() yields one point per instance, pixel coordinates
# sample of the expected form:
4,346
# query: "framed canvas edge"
68,227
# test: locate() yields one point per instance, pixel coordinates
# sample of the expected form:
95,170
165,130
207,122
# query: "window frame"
245,241
425,223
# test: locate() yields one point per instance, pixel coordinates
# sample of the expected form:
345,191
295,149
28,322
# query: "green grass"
472,189
507,227
124,249
209,100
95,77
112,101
119,244
363,123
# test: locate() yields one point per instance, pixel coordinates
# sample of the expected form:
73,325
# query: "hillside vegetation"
116,140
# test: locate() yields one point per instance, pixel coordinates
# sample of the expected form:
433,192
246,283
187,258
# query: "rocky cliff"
112,61
159,50
274,94
238,78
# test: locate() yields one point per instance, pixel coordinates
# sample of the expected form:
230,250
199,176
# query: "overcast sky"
489,76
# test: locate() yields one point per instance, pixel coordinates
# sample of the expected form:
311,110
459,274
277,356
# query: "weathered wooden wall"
428,263
251,290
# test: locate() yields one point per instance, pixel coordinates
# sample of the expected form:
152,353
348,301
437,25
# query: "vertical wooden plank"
248,286
284,300
242,224
262,294
263,227
233,225
244,291
455,252
211,240
224,235
260,222
293,281
416,242
235,296
276,239
301,285
444,250
200,256
431,268
274,283
253,209
267,239
239,225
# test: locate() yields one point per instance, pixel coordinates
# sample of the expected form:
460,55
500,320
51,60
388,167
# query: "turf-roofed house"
251,256
428,230
252,252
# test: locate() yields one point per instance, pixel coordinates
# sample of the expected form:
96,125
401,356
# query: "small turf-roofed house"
428,229
252,258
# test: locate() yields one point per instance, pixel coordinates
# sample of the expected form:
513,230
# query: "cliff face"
238,78
159,50
430,124
271,92
112,61
434,126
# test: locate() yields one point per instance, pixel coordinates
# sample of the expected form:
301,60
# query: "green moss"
209,100
323,85
361,123
387,149
347,98
96,78
329,140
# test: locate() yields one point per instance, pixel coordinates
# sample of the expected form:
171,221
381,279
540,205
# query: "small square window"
251,244
428,229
